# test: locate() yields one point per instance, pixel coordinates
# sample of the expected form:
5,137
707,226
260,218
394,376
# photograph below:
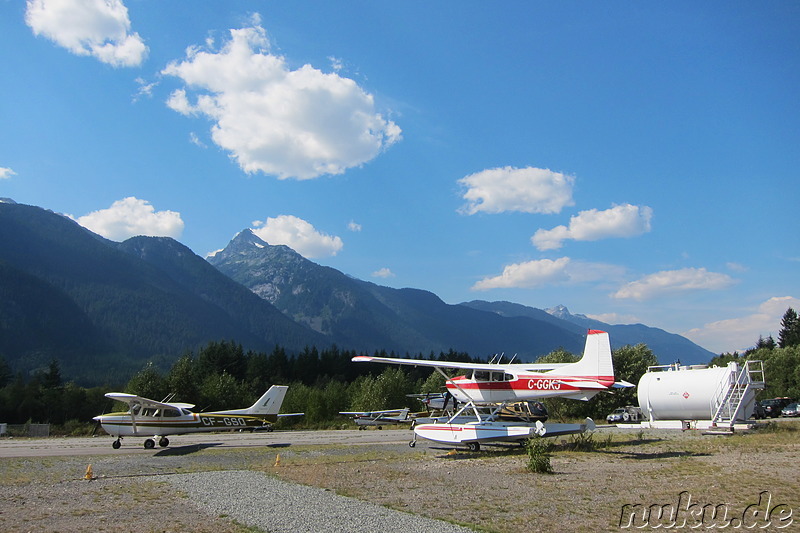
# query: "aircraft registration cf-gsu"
486,388
150,418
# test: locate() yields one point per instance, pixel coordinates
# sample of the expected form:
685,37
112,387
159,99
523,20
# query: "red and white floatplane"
487,390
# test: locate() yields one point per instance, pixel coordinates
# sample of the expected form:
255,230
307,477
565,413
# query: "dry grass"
495,492
491,490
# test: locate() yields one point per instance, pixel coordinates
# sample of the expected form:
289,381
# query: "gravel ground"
235,490
255,499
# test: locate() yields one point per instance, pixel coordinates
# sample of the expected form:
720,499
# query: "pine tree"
5,372
768,343
789,334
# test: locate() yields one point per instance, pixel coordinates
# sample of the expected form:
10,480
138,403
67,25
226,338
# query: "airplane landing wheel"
163,442
474,446
116,444
149,444
412,444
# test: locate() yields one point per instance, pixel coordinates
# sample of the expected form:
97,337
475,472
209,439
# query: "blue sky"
636,162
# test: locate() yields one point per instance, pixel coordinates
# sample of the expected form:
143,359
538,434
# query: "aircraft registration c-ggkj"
150,418
492,386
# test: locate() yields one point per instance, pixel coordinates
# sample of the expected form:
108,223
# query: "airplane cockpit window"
149,411
480,375
171,412
135,408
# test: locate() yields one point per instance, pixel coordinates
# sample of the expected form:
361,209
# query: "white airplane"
149,418
379,418
487,388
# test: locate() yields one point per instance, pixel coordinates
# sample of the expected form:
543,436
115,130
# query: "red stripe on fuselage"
528,382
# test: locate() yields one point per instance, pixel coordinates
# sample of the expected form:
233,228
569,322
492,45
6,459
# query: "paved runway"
101,444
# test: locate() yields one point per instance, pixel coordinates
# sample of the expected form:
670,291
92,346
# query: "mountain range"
104,308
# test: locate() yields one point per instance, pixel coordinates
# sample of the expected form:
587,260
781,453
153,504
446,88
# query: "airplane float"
486,389
379,418
149,418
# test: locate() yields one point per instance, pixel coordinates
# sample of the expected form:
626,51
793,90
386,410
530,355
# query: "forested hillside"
103,308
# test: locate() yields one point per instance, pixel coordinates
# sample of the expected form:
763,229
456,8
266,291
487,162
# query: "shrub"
539,456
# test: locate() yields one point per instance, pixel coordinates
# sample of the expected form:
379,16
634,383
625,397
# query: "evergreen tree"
219,357
148,382
768,343
789,334
51,380
5,372
223,391
183,380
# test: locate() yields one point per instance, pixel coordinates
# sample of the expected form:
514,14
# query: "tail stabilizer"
269,403
596,363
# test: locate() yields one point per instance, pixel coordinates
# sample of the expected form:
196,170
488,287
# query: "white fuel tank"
682,393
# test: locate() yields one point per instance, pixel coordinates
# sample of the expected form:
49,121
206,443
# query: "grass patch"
586,442
539,451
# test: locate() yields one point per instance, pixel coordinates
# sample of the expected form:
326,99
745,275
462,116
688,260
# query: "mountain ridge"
668,347
103,308
136,309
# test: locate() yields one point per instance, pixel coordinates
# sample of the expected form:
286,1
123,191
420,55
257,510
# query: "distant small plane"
436,401
149,418
379,418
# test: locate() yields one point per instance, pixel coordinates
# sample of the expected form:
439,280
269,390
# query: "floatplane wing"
486,367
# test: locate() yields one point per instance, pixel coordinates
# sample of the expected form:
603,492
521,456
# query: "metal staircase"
737,392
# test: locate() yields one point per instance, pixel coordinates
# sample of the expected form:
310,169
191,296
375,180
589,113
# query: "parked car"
791,410
773,406
629,413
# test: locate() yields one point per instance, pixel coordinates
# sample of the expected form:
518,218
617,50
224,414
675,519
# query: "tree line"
221,375
781,358
321,384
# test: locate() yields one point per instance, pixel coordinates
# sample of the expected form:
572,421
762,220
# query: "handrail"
735,389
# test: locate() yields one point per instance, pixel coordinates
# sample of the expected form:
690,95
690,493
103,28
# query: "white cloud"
130,217
6,173
671,281
383,273
739,334
527,275
737,267
195,140
614,318
98,28
529,190
353,226
298,235
562,271
620,221
145,89
289,123
336,63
